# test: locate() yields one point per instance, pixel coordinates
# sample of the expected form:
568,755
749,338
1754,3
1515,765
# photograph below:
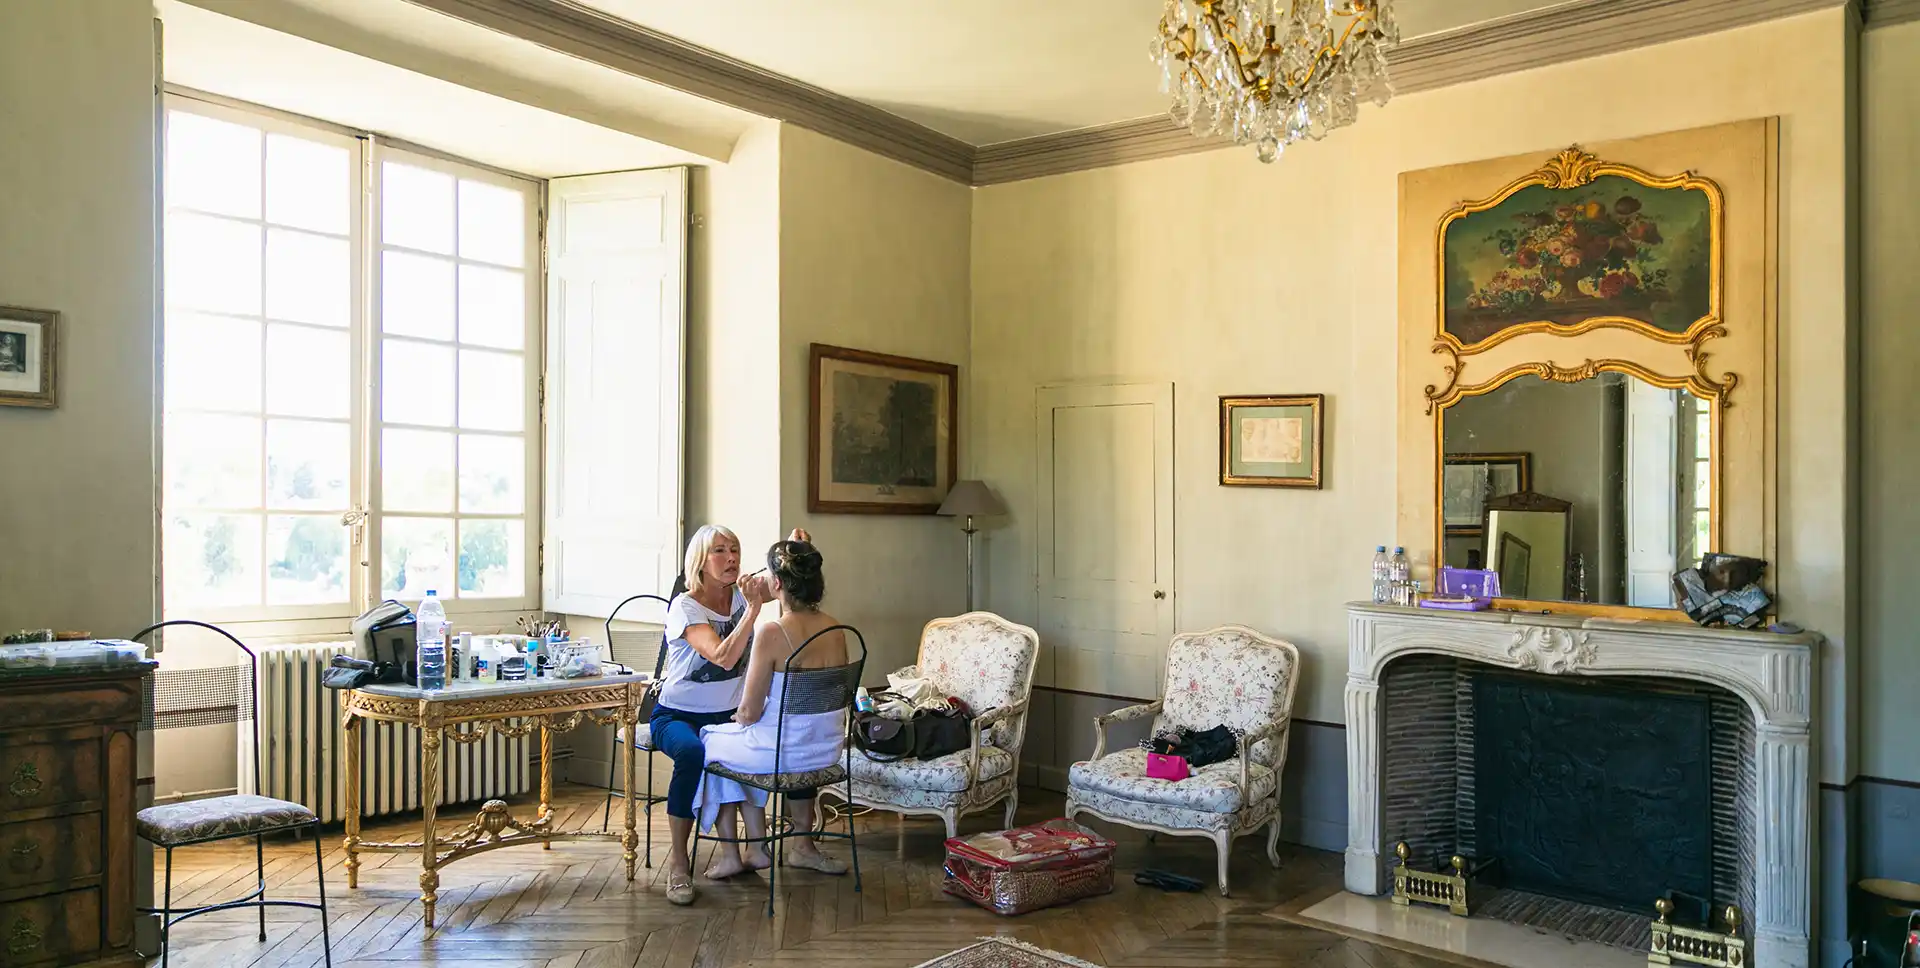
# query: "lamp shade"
971,498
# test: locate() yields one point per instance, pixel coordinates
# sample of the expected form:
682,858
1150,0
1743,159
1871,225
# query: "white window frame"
366,151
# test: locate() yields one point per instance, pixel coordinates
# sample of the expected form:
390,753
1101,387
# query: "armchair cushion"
1165,817
897,796
945,774
1214,788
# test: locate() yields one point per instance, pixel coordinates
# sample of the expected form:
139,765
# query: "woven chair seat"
218,817
787,782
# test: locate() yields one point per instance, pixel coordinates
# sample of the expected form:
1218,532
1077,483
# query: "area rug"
1005,953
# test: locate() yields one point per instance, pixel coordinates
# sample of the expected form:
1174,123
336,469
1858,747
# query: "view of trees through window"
284,305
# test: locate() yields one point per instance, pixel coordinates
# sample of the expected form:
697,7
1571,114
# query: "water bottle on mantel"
1401,575
430,642
1382,577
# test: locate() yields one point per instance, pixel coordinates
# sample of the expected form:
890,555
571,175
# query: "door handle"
1159,595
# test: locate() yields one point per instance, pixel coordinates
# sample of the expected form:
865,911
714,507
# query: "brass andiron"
1677,945
1444,890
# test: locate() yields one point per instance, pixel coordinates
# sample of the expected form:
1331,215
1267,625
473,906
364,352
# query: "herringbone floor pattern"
572,908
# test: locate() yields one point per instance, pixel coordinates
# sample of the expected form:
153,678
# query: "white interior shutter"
616,326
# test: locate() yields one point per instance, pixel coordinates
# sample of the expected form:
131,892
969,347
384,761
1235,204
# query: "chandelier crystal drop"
1270,72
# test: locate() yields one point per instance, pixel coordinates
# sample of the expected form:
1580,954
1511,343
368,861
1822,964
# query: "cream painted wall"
874,256
1889,399
77,236
1083,278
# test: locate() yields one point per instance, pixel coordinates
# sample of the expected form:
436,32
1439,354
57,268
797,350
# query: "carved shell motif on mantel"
1551,650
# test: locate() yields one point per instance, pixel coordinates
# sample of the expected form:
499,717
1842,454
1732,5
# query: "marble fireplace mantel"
1772,673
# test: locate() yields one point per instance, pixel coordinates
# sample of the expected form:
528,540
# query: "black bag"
1202,748
928,735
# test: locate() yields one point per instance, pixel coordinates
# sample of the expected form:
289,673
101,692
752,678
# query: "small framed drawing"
1471,479
1514,565
881,438
1271,441
29,339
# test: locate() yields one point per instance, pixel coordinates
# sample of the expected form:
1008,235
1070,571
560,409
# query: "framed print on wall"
1473,478
1271,441
28,341
882,436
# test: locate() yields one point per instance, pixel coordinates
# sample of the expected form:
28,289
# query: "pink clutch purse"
1166,766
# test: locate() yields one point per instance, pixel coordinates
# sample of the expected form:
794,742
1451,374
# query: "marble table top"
474,689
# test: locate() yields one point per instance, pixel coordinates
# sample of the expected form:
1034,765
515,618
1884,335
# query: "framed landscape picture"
1271,441
29,339
1473,478
881,436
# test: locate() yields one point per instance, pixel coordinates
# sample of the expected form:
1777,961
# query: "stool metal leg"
320,882
260,871
650,803
166,910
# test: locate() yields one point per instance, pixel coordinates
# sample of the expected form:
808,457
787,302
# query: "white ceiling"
400,70
983,71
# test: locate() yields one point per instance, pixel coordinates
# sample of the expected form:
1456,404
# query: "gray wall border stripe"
1567,31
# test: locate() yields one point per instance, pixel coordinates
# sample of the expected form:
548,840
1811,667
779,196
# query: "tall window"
349,400
1696,466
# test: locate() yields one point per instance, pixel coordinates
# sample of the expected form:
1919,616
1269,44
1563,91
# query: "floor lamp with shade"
970,499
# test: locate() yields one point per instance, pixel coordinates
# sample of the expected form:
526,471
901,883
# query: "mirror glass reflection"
1595,491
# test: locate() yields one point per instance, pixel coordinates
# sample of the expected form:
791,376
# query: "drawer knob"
23,938
26,780
26,857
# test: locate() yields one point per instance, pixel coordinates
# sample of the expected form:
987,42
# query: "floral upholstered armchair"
988,662
1229,675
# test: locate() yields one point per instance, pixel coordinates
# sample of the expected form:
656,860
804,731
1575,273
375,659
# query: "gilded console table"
467,712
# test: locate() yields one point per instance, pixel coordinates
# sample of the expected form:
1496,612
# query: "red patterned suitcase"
1029,868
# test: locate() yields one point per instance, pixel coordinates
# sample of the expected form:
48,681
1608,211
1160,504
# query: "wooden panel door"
1106,570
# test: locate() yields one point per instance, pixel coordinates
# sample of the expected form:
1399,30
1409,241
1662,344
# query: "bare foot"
758,860
727,864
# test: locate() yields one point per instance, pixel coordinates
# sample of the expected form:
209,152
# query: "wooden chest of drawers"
67,774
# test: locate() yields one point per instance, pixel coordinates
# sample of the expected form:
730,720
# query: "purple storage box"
1478,584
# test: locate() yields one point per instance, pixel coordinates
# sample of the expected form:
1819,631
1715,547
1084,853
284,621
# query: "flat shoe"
817,862
680,893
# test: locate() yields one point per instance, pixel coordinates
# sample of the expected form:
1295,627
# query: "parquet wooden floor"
572,908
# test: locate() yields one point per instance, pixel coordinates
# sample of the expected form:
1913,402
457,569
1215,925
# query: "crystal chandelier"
1270,72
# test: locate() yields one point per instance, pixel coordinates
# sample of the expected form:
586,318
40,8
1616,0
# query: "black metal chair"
628,648
191,822
806,692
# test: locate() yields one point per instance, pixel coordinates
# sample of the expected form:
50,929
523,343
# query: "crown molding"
1886,13
583,32
1538,38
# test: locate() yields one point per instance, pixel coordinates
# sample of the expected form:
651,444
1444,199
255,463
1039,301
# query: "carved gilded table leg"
352,729
629,839
546,772
429,807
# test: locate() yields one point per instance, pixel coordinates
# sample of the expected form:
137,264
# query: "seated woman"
709,629
810,741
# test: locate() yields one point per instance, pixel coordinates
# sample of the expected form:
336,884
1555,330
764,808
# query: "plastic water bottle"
1382,579
430,642
1400,575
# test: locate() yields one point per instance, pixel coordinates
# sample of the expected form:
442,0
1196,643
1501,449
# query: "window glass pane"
416,470
493,558
416,207
493,307
493,223
493,391
416,554
416,383
1702,485
212,461
306,559
309,465
309,371
308,278
212,362
493,473
212,559
212,165
307,184
212,264
416,295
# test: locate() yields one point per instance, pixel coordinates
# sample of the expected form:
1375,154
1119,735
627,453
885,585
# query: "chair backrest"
824,690
1235,676
208,696
986,661
630,647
